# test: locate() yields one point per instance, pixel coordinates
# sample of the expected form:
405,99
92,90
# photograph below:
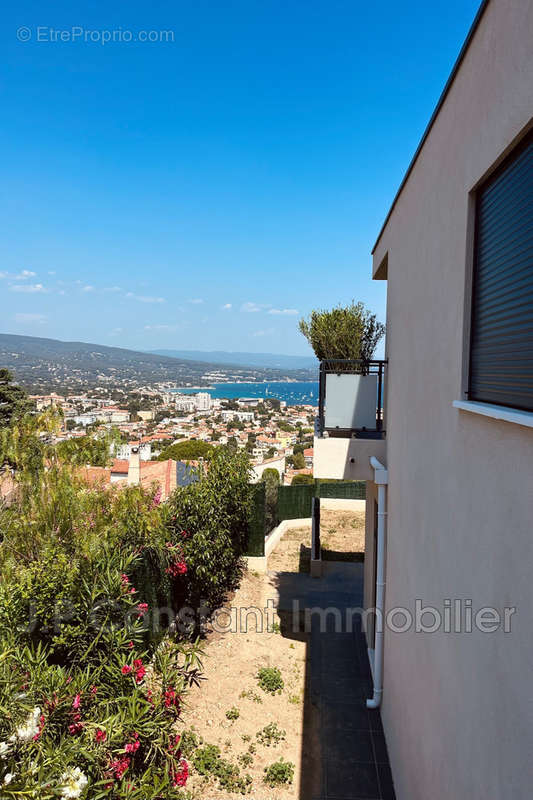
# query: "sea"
294,394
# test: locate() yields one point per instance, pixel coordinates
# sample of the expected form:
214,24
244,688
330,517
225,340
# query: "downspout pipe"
381,479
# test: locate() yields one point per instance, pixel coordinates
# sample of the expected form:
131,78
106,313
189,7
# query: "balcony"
351,424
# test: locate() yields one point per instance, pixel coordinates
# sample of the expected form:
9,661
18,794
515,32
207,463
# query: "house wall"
457,708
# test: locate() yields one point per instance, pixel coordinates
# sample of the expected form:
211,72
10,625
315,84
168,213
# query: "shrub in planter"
350,332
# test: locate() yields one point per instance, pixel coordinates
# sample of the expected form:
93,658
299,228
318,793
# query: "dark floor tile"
346,779
345,717
380,748
343,690
375,720
354,746
386,785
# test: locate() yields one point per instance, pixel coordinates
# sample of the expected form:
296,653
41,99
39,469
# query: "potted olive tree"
345,340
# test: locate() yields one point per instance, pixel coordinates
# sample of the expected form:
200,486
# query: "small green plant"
246,737
275,628
270,680
270,735
279,773
294,699
233,713
189,741
245,760
208,762
251,695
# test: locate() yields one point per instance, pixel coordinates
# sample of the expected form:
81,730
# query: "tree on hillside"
190,450
350,332
302,479
298,461
13,399
270,475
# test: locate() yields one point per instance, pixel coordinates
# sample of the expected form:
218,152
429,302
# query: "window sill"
496,412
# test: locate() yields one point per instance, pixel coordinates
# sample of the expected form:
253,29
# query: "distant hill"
267,360
46,364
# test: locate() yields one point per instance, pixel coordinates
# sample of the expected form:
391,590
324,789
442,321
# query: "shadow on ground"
344,754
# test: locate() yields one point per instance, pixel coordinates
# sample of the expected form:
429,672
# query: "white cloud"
252,308
289,311
51,272
30,318
116,331
226,306
145,298
160,327
20,276
25,274
88,289
30,288
111,289
196,301
267,332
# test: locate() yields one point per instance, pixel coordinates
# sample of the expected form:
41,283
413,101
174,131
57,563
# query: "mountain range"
50,364
266,360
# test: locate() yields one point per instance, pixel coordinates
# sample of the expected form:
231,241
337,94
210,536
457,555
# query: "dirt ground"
342,536
234,656
231,664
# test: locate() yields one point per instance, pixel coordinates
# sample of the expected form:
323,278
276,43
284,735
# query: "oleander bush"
92,681
210,520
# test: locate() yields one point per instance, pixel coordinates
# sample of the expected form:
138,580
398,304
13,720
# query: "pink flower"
100,735
140,670
132,747
126,669
124,580
179,777
171,698
77,701
119,767
94,690
142,608
75,728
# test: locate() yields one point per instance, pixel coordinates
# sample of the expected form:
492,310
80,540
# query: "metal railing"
333,366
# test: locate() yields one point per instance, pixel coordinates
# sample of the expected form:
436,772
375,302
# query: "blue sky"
206,192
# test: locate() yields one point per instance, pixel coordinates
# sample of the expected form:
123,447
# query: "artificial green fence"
292,502
257,521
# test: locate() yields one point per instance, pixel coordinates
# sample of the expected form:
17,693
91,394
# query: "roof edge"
455,69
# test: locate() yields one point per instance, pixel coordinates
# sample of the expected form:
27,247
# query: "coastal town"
154,431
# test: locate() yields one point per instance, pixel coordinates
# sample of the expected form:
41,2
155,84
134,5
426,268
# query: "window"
501,344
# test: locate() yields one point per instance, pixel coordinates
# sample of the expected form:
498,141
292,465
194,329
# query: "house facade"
449,467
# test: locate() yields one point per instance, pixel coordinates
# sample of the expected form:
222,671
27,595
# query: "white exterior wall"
457,708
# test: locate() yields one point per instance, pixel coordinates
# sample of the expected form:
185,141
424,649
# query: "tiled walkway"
353,752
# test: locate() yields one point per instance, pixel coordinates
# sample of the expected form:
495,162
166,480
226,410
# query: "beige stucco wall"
346,459
457,708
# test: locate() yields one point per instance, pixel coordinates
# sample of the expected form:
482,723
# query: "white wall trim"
496,412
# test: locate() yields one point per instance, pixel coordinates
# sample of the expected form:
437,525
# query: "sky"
207,189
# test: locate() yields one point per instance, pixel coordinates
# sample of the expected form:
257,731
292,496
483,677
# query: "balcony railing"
351,398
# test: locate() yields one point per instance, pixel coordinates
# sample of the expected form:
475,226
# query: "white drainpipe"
381,478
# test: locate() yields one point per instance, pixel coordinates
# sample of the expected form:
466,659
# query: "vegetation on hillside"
191,450
93,674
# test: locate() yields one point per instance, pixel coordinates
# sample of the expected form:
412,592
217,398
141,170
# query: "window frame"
510,153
